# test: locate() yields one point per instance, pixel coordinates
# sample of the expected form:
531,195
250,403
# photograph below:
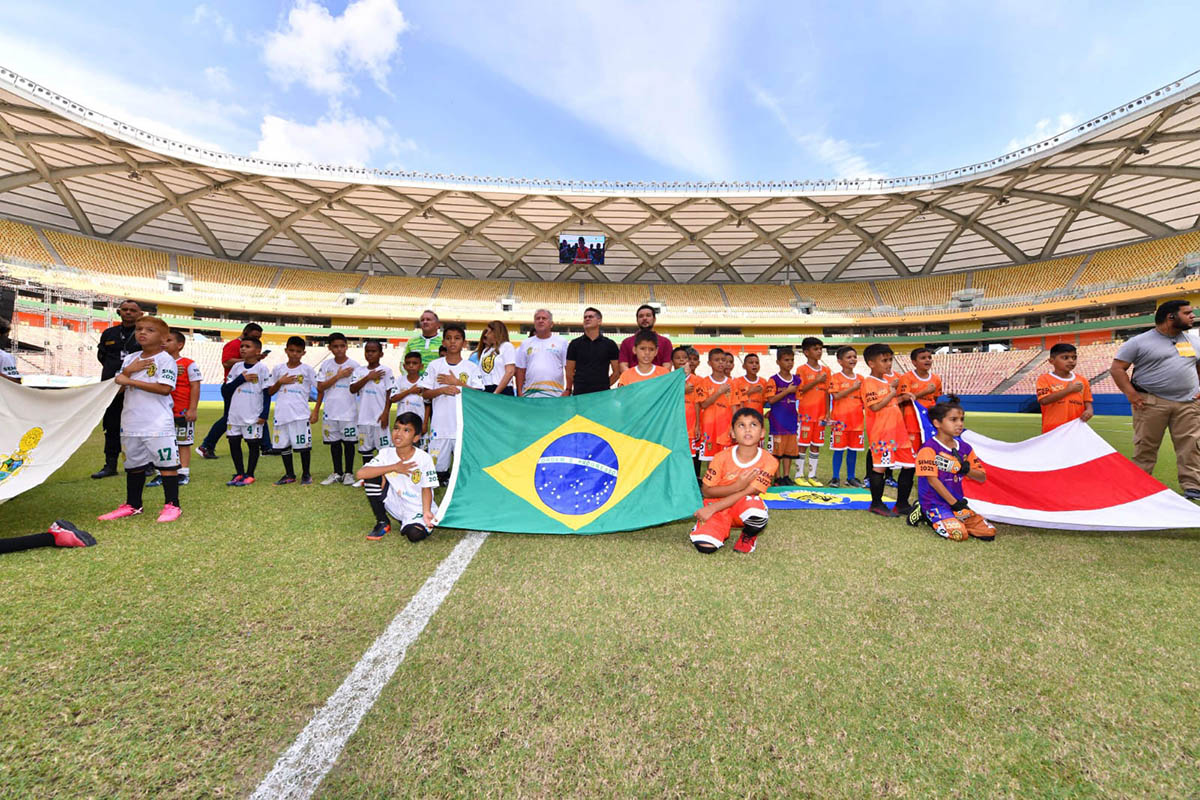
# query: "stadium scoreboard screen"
574,248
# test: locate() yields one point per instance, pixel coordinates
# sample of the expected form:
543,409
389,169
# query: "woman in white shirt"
497,358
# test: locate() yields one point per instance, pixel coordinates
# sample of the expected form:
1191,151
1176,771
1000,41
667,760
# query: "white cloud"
837,154
337,138
171,113
203,15
1044,129
322,51
646,74
217,79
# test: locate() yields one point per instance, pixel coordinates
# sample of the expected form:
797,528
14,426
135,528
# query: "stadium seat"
108,258
758,298
20,241
854,296
934,290
1138,260
1026,280
682,297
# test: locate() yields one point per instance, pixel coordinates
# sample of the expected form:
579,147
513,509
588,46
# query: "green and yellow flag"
597,463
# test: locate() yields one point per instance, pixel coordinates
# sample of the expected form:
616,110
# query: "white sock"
185,470
813,458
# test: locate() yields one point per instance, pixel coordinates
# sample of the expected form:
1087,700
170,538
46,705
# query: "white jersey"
291,399
543,361
403,498
493,361
443,421
146,413
246,406
411,402
373,394
8,365
340,404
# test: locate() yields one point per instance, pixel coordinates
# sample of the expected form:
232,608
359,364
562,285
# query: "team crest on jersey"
462,376
13,463
488,362
151,370
416,476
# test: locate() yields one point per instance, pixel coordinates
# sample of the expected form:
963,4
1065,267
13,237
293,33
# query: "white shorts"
442,453
185,432
333,430
140,451
372,438
292,435
244,431
398,511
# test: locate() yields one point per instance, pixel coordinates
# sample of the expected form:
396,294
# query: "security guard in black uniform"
116,343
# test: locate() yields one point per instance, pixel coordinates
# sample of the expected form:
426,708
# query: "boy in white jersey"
250,379
185,400
406,393
147,424
410,480
443,379
339,426
373,386
291,385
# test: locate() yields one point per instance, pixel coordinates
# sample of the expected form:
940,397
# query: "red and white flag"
1071,478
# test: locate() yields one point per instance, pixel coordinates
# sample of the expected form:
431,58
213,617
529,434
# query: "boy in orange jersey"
926,388
645,349
715,398
846,439
681,359
812,408
731,488
749,390
885,427
1062,394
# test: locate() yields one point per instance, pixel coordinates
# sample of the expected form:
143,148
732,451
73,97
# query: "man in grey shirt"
1164,391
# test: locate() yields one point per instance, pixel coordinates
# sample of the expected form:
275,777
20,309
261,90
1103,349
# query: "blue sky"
612,90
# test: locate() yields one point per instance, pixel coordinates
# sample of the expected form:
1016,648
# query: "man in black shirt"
116,343
592,364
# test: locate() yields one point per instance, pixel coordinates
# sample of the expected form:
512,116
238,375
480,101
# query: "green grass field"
849,656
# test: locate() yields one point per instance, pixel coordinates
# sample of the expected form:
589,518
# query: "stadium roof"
1132,173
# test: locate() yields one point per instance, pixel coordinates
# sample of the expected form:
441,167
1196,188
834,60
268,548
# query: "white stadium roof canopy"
1130,174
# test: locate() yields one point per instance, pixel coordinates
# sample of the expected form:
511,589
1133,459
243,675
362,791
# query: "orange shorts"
811,432
914,441
716,529
887,455
784,446
844,439
709,448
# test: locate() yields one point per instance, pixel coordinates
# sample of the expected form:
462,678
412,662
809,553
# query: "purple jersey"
935,460
782,415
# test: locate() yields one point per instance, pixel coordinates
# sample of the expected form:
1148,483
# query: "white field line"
300,770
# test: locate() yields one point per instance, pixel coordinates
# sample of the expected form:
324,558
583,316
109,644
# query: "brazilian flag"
597,463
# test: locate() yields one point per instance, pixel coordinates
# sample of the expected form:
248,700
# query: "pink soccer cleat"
170,513
123,510
67,535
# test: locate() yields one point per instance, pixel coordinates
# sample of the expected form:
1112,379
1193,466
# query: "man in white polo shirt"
541,359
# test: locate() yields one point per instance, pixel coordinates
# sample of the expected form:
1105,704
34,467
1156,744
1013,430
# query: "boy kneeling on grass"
731,487
410,480
942,463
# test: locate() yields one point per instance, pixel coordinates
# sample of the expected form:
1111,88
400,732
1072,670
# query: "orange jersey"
813,403
909,382
886,424
849,409
717,418
691,388
1065,409
725,470
744,398
631,375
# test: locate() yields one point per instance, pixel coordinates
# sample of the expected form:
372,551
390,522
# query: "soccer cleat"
335,477
236,480
156,481
123,510
184,479
348,479
834,484
902,511
813,482
378,532
206,452
67,535
104,472
891,482
1190,494
246,480
855,482
882,511
306,480
285,480
801,481
170,513
745,543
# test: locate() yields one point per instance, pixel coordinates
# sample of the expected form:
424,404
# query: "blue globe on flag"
576,473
